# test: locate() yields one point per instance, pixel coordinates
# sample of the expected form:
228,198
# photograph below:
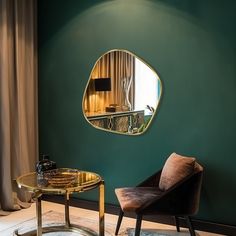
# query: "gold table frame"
86,181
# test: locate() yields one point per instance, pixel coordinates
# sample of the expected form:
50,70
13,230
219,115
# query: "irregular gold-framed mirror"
122,93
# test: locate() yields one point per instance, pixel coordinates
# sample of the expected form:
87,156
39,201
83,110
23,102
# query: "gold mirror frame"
102,85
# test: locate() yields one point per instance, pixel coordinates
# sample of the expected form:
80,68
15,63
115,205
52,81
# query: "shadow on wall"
61,11
191,7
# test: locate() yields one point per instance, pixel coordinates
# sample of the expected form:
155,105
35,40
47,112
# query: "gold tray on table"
61,177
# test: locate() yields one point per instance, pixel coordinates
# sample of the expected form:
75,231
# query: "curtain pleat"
117,65
18,99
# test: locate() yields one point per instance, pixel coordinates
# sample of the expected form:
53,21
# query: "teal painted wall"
192,46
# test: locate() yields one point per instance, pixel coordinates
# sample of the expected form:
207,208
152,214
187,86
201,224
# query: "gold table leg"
67,216
101,208
39,216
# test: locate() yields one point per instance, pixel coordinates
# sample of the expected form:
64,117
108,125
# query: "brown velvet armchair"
174,190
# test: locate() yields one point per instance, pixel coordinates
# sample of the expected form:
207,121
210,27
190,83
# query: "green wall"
192,46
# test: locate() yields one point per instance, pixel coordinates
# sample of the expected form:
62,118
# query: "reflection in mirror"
122,94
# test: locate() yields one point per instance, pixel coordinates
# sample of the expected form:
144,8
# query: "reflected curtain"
119,66
18,99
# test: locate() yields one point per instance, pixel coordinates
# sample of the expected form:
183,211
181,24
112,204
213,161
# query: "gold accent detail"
101,208
98,123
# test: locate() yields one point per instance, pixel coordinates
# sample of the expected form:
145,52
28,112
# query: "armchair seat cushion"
133,198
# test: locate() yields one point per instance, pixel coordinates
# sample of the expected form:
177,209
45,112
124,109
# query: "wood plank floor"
25,214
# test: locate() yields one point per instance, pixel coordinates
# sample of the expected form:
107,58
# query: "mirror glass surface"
122,93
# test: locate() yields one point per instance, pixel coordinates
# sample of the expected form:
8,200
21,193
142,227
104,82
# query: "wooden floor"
25,214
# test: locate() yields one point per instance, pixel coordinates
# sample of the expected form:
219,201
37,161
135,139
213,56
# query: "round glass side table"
63,181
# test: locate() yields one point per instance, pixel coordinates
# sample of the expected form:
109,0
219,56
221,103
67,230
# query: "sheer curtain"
18,99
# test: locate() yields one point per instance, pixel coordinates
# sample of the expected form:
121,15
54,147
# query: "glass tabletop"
59,181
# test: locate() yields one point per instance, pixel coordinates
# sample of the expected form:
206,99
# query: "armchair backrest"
181,199
195,189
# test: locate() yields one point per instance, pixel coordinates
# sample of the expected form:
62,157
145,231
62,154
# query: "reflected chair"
172,191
